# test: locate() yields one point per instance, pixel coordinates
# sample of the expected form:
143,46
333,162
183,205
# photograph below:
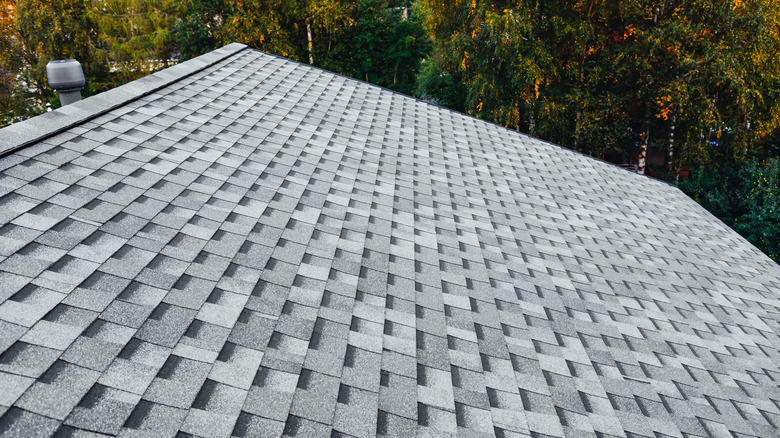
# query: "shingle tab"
250,246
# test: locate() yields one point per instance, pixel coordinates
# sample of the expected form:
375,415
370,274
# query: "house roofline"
33,130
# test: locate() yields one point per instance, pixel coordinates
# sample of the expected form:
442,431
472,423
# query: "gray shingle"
271,394
58,390
178,382
249,425
18,422
315,397
14,386
103,410
166,325
215,410
151,418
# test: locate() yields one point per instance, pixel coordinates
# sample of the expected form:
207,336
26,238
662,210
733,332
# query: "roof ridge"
30,131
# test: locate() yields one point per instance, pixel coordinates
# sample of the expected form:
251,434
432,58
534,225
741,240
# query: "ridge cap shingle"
30,131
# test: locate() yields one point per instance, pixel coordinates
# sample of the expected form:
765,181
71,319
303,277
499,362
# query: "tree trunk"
580,102
576,130
308,35
671,142
685,143
642,163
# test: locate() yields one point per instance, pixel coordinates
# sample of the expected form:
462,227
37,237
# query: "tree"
34,32
702,73
290,28
135,35
436,86
373,40
531,66
745,197
691,77
200,28
261,24
9,61
383,45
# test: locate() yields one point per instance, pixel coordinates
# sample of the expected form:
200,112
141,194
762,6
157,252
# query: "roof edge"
27,132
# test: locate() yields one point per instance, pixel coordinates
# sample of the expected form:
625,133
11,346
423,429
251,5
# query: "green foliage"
716,189
19,102
381,46
745,197
199,29
135,35
441,88
605,77
261,24
32,33
761,223
372,40
405,46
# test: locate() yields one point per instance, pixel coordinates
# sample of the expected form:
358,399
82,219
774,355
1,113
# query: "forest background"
687,91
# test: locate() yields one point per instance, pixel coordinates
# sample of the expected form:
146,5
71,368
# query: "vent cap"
65,75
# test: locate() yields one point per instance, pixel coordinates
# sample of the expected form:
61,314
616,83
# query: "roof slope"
257,247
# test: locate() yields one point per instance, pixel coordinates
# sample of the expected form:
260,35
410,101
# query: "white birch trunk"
643,149
308,35
671,142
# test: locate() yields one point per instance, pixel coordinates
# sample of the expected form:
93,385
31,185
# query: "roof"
244,245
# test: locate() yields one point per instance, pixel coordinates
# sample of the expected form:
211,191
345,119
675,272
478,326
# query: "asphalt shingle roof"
244,245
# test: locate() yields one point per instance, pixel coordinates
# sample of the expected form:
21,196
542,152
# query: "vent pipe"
66,78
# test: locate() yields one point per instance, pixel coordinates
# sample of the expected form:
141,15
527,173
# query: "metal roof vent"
66,78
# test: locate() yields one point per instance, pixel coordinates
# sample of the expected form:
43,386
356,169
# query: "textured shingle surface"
263,248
